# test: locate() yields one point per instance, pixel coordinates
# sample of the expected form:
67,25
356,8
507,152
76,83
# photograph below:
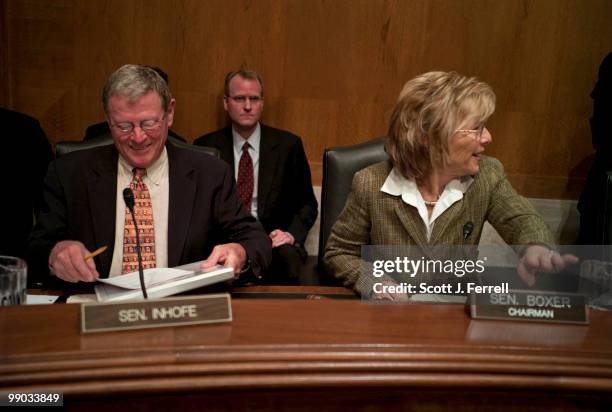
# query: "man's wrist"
292,242
246,267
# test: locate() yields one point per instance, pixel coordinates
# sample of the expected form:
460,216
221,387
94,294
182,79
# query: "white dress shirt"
397,185
157,182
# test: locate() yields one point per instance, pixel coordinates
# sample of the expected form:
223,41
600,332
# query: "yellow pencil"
95,253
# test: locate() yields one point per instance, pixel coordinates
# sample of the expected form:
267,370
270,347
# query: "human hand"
386,295
229,255
280,237
541,259
67,261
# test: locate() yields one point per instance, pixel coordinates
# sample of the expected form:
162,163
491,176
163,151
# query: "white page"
84,298
40,299
153,276
200,278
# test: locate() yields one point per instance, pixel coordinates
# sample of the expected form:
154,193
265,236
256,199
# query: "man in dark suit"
26,156
272,174
189,207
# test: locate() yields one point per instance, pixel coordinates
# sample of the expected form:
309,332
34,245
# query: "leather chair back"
65,147
339,166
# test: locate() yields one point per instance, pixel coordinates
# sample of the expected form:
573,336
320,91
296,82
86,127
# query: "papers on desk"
152,278
82,298
437,298
160,282
40,299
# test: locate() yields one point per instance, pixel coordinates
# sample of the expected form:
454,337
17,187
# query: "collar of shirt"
155,172
397,185
253,140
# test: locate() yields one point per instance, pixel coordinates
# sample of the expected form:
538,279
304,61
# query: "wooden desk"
321,354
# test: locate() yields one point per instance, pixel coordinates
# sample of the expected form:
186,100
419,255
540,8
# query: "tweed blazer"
372,217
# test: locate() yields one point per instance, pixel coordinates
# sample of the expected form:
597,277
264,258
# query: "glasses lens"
125,127
149,124
481,130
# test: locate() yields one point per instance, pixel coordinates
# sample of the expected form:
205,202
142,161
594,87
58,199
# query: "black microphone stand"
139,256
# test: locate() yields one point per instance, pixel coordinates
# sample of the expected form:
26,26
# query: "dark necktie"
143,211
245,178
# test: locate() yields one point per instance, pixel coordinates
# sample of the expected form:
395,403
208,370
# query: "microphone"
128,198
467,230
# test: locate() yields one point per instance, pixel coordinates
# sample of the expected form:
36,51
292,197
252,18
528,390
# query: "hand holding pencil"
71,261
94,253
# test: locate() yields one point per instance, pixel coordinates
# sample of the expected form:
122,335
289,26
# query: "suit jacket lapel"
226,147
411,221
267,164
182,192
102,191
445,220
415,228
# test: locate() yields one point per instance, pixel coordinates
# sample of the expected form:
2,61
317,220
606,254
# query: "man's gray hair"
134,81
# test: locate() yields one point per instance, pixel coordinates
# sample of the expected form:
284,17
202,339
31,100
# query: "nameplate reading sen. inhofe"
140,314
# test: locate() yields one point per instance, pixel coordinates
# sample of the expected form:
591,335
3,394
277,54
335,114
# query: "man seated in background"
272,174
26,156
185,199
102,129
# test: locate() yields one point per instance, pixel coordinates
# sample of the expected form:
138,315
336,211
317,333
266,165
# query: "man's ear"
225,102
170,113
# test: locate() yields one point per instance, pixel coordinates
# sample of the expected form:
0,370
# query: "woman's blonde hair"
430,109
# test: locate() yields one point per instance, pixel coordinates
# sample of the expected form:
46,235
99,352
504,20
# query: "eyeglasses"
243,99
147,126
478,131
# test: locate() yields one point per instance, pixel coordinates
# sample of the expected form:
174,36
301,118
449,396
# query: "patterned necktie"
143,211
245,178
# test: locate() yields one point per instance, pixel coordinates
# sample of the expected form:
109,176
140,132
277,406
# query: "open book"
160,282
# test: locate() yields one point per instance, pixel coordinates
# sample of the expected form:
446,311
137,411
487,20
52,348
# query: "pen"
95,253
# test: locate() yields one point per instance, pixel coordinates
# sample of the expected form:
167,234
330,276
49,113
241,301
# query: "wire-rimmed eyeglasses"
147,126
478,131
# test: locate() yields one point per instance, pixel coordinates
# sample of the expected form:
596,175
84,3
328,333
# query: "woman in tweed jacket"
437,185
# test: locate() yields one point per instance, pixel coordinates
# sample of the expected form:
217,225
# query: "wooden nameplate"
141,314
556,307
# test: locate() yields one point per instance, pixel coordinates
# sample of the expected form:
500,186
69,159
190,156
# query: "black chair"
65,147
339,166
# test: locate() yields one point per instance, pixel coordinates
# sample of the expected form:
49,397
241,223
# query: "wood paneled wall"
4,80
332,69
